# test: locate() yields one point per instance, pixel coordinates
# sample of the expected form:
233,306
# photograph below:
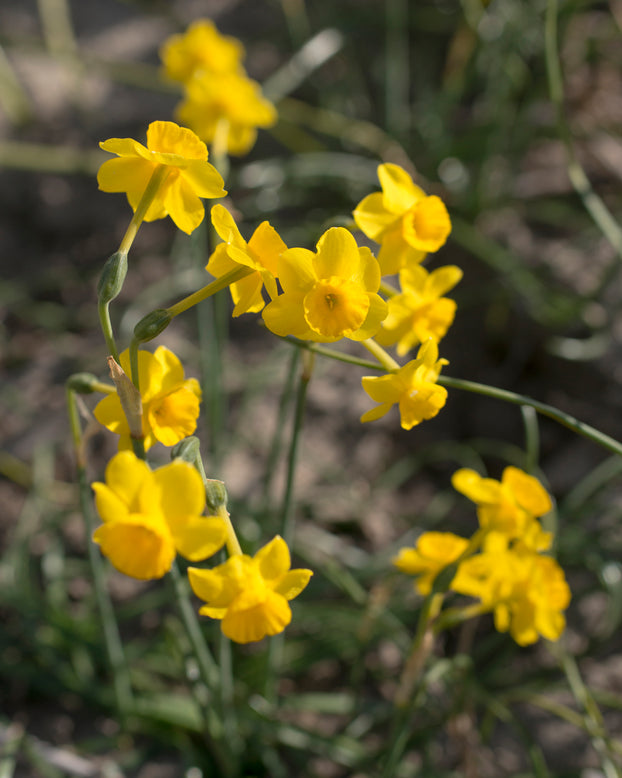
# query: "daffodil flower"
170,401
201,49
150,516
509,506
250,595
526,591
406,222
434,551
328,295
260,254
231,100
420,311
413,387
188,175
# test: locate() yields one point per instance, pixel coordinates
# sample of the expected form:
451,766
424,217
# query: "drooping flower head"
170,401
250,594
420,311
526,591
329,295
150,516
230,100
406,222
509,506
201,49
434,551
261,254
189,176
413,387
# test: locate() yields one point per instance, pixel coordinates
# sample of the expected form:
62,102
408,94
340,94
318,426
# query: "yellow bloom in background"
434,551
526,591
250,594
413,387
403,219
200,49
328,295
232,99
420,311
189,176
508,506
170,401
150,516
261,254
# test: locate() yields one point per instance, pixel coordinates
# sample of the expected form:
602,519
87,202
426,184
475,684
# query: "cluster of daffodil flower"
503,565
221,103
322,296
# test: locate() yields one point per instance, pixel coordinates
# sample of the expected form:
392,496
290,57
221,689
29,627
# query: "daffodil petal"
199,538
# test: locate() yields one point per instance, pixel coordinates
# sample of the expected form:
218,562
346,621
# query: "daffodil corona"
250,595
182,159
150,516
406,222
170,401
329,295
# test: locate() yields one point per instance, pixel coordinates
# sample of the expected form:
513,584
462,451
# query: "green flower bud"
187,449
82,383
112,277
151,325
215,495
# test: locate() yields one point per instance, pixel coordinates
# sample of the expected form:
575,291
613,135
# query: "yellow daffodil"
250,594
526,591
188,174
413,387
170,401
509,506
231,100
434,551
420,311
328,295
403,219
261,254
150,516
200,49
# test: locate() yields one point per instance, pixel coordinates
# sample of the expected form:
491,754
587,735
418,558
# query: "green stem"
114,647
388,290
546,410
275,652
156,180
532,437
207,291
104,319
385,359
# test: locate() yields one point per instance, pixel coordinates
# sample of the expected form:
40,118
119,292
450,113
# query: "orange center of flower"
336,307
426,225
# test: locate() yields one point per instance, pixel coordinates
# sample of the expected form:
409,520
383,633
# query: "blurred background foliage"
512,112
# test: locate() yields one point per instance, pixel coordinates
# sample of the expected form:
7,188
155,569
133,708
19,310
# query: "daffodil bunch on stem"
221,103
504,565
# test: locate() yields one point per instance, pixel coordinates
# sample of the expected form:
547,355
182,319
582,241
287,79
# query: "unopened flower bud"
215,495
82,383
112,277
152,325
187,449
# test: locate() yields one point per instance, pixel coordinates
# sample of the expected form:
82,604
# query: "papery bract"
170,401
